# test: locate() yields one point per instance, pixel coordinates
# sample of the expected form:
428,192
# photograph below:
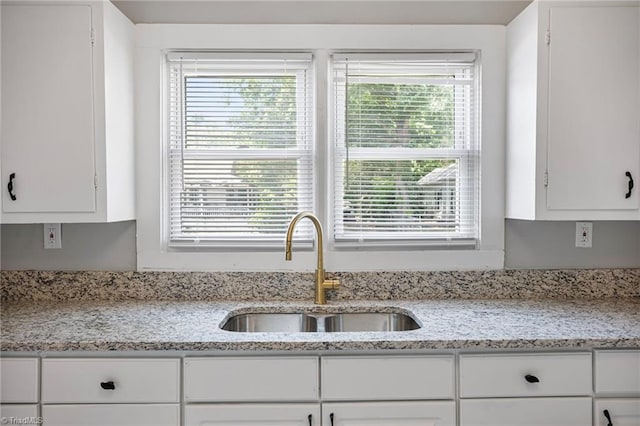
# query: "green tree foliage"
268,120
394,116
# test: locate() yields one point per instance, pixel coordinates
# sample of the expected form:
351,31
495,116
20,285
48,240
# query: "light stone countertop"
30,326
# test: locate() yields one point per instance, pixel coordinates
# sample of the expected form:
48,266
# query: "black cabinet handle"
12,193
628,174
608,417
310,417
108,385
531,379
331,418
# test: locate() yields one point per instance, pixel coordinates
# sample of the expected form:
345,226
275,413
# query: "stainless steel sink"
272,322
370,321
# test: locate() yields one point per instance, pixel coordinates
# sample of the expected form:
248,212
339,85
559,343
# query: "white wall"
153,41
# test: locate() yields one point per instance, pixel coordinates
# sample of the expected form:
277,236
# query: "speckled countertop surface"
194,326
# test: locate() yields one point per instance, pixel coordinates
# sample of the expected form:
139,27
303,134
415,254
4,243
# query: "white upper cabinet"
67,113
573,132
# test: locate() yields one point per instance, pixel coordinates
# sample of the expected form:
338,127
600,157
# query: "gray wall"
112,246
85,247
551,245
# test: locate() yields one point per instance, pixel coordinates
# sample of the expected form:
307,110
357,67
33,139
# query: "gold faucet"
322,284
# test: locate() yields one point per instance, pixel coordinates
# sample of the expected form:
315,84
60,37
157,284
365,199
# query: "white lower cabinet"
617,373
616,412
371,390
251,379
13,413
526,412
396,377
396,413
252,415
19,380
110,380
111,392
538,388
111,415
526,389
617,388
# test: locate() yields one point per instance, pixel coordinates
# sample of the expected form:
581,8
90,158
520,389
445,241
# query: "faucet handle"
331,284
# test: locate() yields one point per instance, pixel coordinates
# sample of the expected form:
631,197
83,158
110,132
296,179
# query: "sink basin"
371,321
271,323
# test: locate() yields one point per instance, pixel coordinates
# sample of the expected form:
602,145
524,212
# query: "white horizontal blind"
240,147
406,153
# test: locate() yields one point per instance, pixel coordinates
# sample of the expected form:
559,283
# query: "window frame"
236,64
154,40
469,158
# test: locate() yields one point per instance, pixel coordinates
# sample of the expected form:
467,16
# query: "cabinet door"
593,108
253,415
436,413
47,108
622,412
526,412
111,415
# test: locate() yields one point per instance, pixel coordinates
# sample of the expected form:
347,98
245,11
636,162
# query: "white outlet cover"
52,236
584,234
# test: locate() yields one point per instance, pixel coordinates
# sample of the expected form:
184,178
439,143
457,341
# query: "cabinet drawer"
361,378
251,379
112,415
516,374
622,412
18,380
617,372
91,380
28,412
526,412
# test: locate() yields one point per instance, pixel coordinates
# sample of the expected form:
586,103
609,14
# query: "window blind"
240,147
405,155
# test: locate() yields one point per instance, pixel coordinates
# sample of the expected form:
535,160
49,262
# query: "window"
405,156
240,147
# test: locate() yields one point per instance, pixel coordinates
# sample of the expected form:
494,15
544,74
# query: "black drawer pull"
310,417
608,417
628,194
331,418
108,385
12,193
531,379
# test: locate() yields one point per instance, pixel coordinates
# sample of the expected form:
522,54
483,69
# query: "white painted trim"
154,39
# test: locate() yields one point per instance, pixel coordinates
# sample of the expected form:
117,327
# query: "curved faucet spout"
322,284
294,221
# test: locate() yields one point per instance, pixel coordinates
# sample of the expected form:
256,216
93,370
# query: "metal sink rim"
321,322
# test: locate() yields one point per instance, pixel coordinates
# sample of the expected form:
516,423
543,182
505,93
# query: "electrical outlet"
584,234
52,236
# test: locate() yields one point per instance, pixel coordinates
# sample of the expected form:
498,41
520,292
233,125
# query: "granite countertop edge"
195,326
